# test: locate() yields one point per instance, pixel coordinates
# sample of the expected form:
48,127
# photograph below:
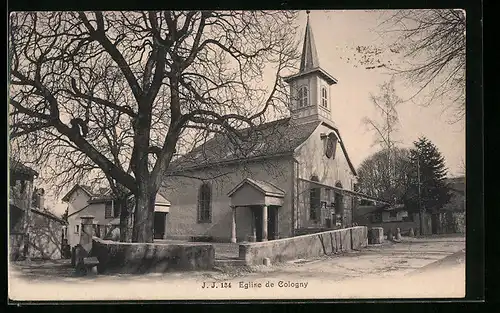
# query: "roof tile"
269,139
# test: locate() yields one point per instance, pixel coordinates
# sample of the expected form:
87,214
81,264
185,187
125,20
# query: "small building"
46,235
448,219
34,232
83,200
391,217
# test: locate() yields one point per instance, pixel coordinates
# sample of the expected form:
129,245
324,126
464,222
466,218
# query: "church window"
324,97
314,200
303,97
204,204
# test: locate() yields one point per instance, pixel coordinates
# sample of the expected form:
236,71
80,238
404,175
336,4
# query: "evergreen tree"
428,168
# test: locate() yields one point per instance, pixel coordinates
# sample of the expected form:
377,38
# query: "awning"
162,204
345,191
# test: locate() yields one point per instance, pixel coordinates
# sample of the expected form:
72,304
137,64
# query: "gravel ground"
414,268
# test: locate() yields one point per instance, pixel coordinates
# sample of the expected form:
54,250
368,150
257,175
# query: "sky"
336,33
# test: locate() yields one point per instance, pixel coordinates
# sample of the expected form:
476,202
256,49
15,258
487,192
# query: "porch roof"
345,191
251,192
264,187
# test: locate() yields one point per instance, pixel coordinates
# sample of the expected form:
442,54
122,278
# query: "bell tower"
310,98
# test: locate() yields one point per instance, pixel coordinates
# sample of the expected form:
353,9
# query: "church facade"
296,173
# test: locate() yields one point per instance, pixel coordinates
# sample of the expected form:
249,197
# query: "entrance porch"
263,199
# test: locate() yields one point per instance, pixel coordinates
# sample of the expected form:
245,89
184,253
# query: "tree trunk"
126,220
143,217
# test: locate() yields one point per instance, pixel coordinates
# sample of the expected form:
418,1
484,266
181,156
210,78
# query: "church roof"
274,138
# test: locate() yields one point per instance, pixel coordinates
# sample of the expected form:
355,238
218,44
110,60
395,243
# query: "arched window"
303,97
314,200
324,97
205,204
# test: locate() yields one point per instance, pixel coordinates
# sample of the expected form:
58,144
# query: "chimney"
40,198
41,201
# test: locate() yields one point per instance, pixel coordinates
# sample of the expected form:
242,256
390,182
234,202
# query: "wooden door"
272,223
159,225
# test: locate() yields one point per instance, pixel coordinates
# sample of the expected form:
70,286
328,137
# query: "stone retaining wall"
151,257
306,246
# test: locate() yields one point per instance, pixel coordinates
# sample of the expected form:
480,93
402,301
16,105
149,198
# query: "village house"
452,216
391,217
34,232
83,201
448,219
292,176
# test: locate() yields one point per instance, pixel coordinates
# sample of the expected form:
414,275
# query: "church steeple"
309,59
310,87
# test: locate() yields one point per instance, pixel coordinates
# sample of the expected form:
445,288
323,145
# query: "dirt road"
414,268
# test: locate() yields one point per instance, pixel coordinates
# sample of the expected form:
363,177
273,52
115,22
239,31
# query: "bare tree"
112,95
427,48
386,124
378,178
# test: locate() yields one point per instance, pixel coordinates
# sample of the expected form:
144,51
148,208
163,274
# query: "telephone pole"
421,216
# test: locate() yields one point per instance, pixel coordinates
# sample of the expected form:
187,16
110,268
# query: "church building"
295,176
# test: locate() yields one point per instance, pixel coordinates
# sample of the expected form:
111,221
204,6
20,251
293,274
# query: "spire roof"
309,59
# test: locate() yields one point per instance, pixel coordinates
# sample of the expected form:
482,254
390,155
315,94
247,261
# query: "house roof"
269,139
362,210
263,186
391,208
19,168
49,215
101,194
